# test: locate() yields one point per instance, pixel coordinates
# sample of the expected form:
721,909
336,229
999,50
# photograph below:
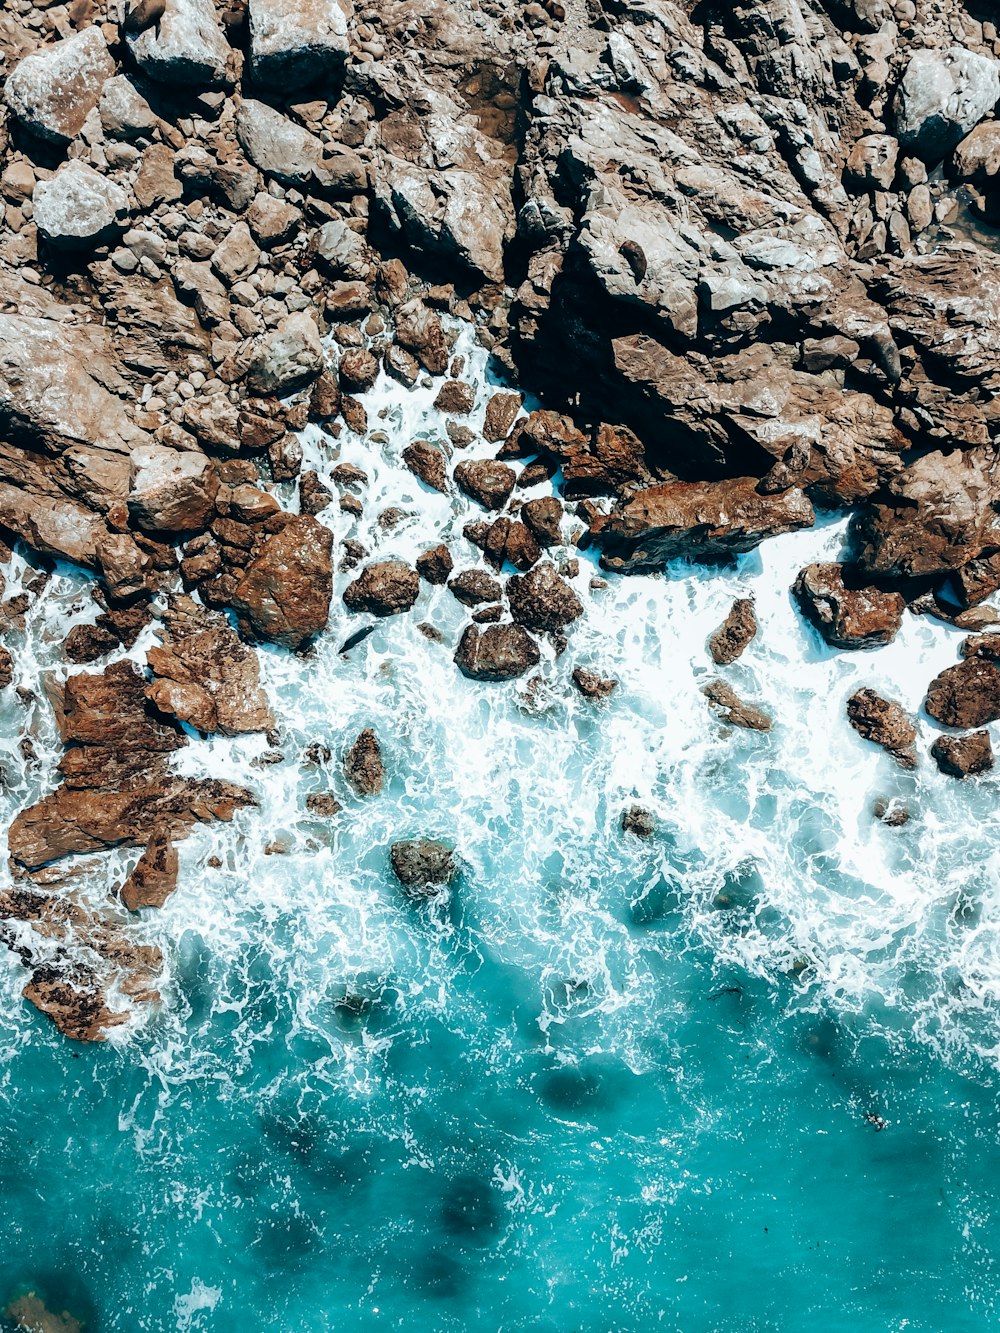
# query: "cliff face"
743,250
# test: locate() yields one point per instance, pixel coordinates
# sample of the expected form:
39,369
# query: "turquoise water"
738,1078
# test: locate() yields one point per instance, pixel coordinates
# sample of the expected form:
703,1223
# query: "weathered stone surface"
78,208
487,482
472,587
941,96
427,462
871,164
965,695
284,594
435,564
124,112
154,877
363,766
964,756
423,865
510,540
295,42
848,612
288,358
592,685
501,413
291,154
385,588
543,516
53,90
185,48
735,633
171,491
542,600
724,701
420,331
886,723
499,652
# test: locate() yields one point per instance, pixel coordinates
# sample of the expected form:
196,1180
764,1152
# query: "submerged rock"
423,866
964,756
886,723
726,702
499,652
735,633
848,612
966,695
363,766
638,821
30,1313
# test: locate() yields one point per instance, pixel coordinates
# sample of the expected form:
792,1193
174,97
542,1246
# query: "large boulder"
185,48
941,96
294,42
966,695
886,723
287,358
294,156
79,208
498,652
848,612
284,594
171,490
385,588
542,600
53,90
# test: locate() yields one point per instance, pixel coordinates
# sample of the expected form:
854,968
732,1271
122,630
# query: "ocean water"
735,1079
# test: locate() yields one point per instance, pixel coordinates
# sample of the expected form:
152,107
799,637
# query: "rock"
638,821
204,675
472,587
543,601
423,866
30,1312
847,612
735,633
236,256
978,579
591,685
435,565
363,765
185,48
79,208
695,520
942,95
284,594
428,463
358,369
977,157
288,152
272,221
323,803
171,491
871,164
313,495
509,540
499,652
53,90
295,42
501,413
966,695
340,252
891,813
731,708
485,481
982,645
125,113
385,588
6,667
420,331
610,459
154,876
157,182
456,398
964,756
544,517
885,722
86,643
123,567
287,358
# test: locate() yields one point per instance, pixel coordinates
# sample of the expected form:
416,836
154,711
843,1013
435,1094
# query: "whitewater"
738,1077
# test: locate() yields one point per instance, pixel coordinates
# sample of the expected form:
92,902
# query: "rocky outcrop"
886,723
735,634
965,695
848,612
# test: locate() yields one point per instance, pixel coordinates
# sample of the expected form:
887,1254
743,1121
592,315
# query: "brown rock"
501,413
358,369
423,866
543,601
313,495
499,652
6,668
154,877
171,491
323,803
964,756
543,516
385,588
474,586
420,331
848,612
593,686
638,821
363,765
86,643
435,565
966,695
510,540
731,708
978,579
485,481
284,594
735,633
428,463
885,722
156,182
456,398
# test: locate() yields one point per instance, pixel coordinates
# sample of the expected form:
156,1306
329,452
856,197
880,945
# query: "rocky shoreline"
741,252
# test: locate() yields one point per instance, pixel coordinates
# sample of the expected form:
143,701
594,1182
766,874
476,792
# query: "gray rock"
292,155
124,112
941,97
423,865
293,42
78,208
287,358
187,47
499,652
341,252
54,90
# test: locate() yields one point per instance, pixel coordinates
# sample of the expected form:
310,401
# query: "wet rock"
847,612
730,707
982,645
886,723
420,331
735,633
204,675
386,588
428,463
313,495
472,587
978,579
694,519
542,600
171,491
435,565
184,48
510,540
295,42
501,413
53,90
456,398
871,163
609,459
941,96
154,876
543,517
638,821
358,369
891,813
423,865
284,594
79,208
6,668
29,1312
499,652
287,358
323,803
593,686
964,756
363,765
485,481
289,153
965,695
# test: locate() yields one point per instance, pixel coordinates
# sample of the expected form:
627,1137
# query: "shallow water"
611,1085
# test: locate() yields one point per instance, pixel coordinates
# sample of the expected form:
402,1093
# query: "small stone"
734,634
363,765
